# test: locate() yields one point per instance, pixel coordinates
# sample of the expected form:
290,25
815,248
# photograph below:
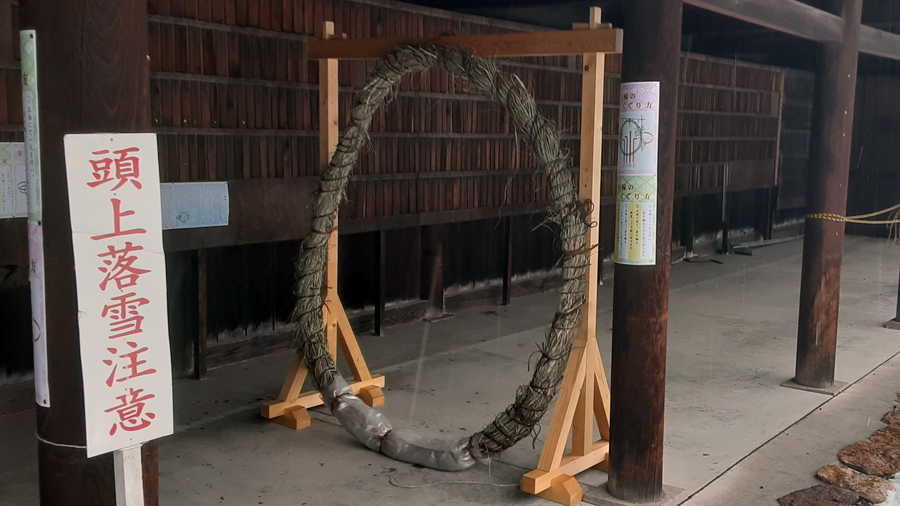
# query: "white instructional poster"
193,205
13,197
35,231
636,186
120,272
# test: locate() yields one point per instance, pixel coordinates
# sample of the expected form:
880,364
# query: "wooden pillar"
381,261
432,287
589,179
328,139
507,262
894,324
726,174
651,51
203,315
765,212
829,162
688,225
93,76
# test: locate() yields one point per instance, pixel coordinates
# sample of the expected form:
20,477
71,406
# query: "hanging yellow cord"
859,218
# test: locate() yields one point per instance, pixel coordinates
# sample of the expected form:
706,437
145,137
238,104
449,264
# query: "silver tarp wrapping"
374,430
405,445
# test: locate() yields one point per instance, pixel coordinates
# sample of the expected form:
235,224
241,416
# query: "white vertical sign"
120,272
35,230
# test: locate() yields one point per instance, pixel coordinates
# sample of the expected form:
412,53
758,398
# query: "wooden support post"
726,174
507,262
641,293
832,127
771,194
290,408
688,225
380,282
203,312
329,135
584,395
93,76
765,212
894,324
436,292
432,287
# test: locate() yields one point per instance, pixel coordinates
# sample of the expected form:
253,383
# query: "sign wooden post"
128,471
290,409
584,395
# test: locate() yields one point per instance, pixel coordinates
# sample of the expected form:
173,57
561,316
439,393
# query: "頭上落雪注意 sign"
120,274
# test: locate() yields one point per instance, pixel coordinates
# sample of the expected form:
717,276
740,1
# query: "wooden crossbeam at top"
801,20
501,45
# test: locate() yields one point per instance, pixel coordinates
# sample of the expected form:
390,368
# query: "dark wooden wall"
10,74
15,304
234,98
875,162
795,129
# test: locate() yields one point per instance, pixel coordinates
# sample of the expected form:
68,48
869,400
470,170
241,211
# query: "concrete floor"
733,435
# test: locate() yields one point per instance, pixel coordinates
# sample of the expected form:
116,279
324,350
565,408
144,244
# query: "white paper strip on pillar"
120,272
31,118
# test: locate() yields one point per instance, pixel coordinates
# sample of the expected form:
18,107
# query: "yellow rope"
859,218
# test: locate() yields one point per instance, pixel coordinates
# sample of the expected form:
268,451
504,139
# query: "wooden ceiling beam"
786,16
879,42
801,20
505,45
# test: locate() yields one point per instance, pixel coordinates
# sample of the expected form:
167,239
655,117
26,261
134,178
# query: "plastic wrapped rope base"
374,430
405,445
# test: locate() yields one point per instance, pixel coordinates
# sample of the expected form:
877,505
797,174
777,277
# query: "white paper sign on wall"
194,205
114,202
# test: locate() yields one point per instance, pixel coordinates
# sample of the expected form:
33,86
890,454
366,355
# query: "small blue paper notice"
194,205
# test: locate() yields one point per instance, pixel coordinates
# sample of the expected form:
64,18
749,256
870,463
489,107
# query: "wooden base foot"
603,466
294,418
276,408
372,396
564,489
893,324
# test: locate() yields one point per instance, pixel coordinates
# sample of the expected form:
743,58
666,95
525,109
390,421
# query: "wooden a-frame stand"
290,408
584,395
